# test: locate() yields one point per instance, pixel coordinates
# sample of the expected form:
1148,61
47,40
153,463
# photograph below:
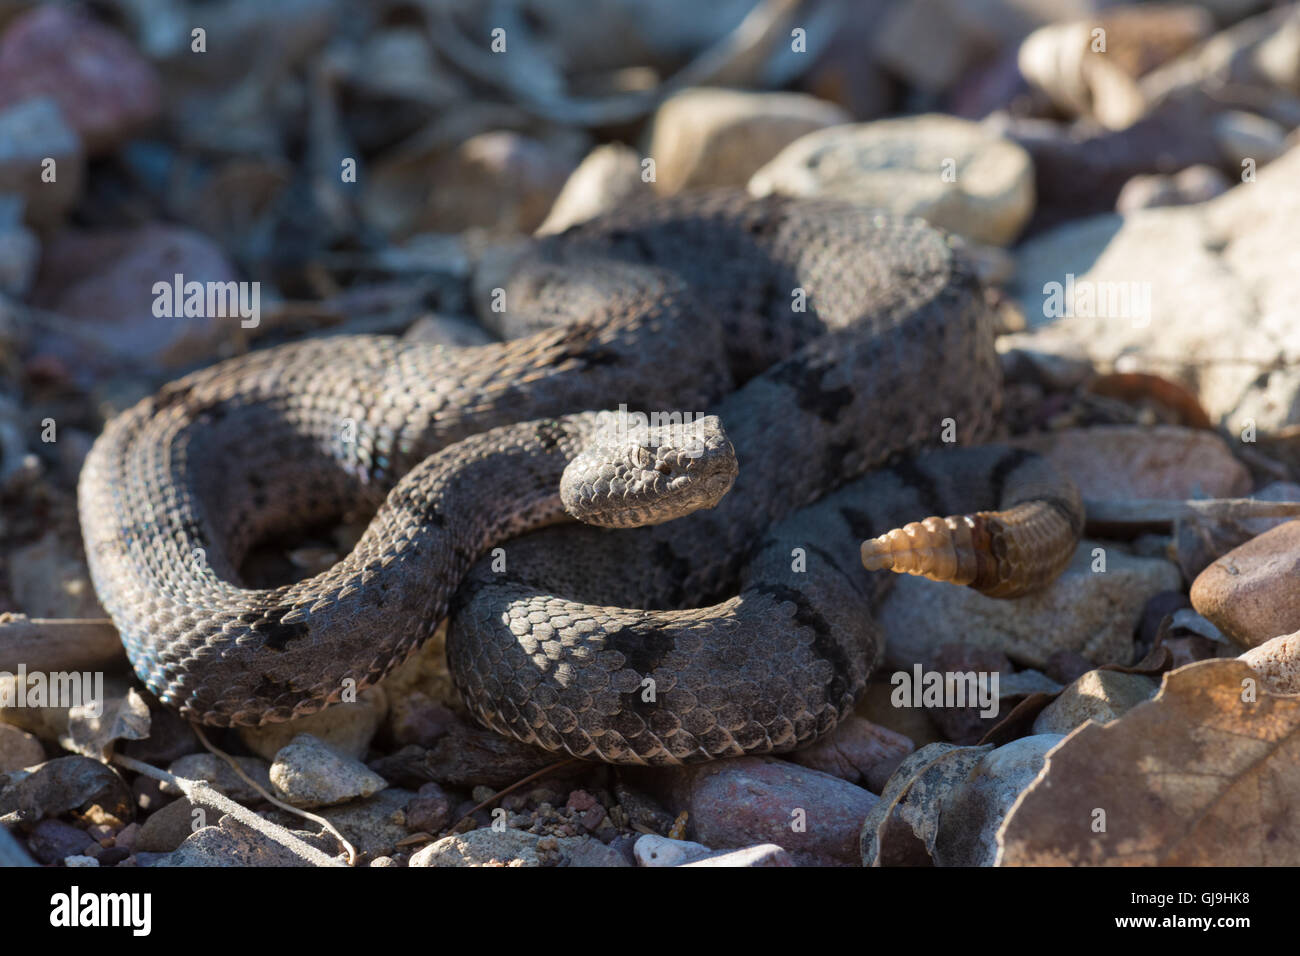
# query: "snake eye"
641,456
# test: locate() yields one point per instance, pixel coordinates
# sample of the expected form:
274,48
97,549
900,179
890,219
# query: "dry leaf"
1197,776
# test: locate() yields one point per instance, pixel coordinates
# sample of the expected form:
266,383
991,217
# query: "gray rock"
608,177
1090,612
484,847
62,784
1098,695
705,137
80,861
1210,287
168,828
307,773
653,850
954,173
374,826
53,840
765,854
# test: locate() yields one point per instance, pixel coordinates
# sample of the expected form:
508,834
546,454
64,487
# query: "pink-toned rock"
1120,462
854,751
1278,663
737,803
104,87
106,280
1250,593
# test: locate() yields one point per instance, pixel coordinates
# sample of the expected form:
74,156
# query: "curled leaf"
1203,774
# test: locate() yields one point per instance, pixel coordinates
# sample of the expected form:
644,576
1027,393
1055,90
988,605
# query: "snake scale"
827,340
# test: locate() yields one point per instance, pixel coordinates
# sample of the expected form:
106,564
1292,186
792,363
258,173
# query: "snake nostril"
663,468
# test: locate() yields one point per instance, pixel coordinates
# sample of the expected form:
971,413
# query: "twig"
50,644
513,787
201,792
759,28
351,850
1158,511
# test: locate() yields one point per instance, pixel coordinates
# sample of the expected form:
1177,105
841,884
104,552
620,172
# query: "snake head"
633,474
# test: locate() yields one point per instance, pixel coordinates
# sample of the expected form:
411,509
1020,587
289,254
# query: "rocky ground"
1127,179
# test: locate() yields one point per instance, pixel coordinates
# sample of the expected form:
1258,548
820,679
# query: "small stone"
706,137
581,801
167,829
765,854
735,803
80,861
62,784
653,850
1245,136
606,179
19,749
52,840
953,173
430,811
1278,663
1249,594
106,89
307,773
374,826
1098,695
482,847
126,837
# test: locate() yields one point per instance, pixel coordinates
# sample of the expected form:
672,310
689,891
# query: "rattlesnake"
826,338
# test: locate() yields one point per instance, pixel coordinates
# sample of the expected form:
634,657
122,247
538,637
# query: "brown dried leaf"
1194,777
94,729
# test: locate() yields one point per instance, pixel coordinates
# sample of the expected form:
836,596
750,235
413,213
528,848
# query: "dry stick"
536,774
759,27
351,850
47,644
201,792
1159,511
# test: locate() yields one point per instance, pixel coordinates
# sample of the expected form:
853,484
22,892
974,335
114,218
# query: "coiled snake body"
852,337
